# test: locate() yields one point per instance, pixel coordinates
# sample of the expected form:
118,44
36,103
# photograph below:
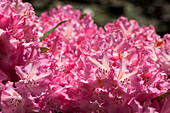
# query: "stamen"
117,100
15,102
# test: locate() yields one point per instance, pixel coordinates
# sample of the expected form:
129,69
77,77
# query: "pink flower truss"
122,68
18,29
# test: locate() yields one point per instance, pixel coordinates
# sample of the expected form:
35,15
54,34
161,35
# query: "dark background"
146,12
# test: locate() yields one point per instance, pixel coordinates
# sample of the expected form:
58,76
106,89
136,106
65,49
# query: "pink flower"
117,73
79,67
35,77
74,31
16,100
19,26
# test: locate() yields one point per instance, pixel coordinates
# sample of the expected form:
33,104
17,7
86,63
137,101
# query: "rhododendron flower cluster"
63,62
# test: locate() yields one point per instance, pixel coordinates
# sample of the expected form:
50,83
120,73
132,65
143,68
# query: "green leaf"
51,30
83,15
161,96
44,49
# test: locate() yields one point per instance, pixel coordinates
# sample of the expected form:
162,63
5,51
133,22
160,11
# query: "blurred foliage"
146,12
